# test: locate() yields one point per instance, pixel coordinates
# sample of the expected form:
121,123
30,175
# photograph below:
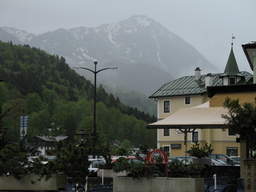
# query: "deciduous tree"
242,120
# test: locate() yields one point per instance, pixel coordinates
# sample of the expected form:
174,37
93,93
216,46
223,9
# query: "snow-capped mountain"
146,53
21,35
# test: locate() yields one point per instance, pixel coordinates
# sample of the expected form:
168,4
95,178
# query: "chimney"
208,80
197,73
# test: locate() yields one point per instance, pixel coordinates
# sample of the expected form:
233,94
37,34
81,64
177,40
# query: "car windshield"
235,158
96,163
134,161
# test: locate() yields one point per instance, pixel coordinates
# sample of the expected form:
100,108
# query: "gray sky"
206,24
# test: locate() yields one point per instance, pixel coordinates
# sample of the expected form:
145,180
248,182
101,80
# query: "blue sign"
23,126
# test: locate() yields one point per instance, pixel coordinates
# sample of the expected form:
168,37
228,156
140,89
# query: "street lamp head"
83,135
95,62
250,52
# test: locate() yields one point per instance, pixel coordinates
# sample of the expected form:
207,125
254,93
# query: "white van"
94,165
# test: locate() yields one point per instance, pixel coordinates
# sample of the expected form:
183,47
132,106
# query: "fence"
229,172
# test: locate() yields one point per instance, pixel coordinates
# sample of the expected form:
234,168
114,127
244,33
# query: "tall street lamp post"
95,72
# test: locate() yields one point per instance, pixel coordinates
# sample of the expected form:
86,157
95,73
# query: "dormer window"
232,80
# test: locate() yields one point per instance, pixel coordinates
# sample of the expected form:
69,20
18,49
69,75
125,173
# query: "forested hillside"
58,101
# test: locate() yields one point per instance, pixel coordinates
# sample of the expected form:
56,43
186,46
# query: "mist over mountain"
146,53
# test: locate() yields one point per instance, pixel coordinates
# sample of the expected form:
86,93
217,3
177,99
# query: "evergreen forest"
58,101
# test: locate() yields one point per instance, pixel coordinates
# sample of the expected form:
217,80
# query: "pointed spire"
231,66
231,74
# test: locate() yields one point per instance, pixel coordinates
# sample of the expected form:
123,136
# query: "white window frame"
230,148
192,138
169,111
168,131
232,78
230,135
169,152
185,100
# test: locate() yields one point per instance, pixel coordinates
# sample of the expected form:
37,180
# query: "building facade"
191,91
44,143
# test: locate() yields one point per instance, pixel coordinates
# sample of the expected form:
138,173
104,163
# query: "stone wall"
159,184
249,174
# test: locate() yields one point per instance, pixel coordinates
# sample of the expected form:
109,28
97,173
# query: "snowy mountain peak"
22,35
137,21
138,43
142,20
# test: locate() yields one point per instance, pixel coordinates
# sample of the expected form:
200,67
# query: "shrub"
200,152
14,162
178,169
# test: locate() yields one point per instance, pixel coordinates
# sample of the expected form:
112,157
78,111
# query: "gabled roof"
49,139
187,85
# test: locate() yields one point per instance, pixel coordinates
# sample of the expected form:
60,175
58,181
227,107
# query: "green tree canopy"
126,144
242,120
44,88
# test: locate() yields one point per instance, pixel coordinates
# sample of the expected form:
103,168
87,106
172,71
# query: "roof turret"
231,67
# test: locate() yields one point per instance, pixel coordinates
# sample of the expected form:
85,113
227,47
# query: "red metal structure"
154,156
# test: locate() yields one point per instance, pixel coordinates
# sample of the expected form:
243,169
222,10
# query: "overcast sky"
208,25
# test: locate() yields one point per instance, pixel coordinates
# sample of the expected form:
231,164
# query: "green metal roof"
187,85
231,66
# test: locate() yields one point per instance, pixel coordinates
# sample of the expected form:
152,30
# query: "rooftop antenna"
232,39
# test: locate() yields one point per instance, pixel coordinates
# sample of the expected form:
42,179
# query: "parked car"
114,158
215,162
134,159
224,158
218,162
185,160
95,157
235,158
94,165
130,159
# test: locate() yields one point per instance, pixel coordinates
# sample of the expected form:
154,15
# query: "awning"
200,117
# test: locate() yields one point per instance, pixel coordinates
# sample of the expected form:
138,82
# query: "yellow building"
191,91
